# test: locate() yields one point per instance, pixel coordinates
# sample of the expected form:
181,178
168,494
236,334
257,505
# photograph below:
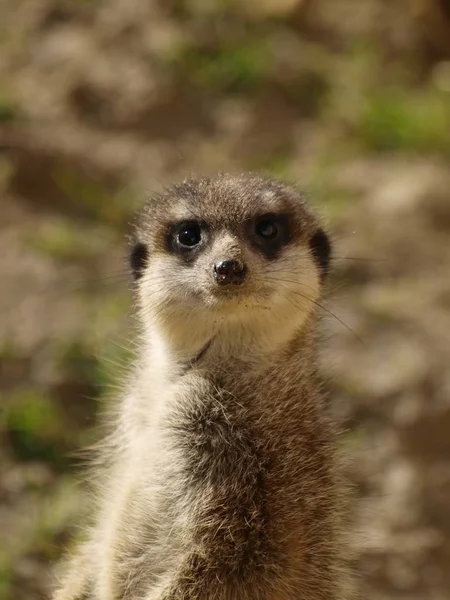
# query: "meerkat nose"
229,271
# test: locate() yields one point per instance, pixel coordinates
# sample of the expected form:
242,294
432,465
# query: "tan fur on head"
222,479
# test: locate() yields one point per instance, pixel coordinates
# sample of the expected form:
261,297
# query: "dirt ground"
104,102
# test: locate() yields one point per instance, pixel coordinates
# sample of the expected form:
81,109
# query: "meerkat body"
222,480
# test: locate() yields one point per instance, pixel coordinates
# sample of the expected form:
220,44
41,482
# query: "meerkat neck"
181,347
167,359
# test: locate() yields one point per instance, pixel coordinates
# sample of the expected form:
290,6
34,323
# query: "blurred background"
104,102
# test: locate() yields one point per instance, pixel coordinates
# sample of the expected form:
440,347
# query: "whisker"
328,311
357,258
297,282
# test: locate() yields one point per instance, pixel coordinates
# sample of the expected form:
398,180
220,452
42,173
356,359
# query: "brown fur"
223,480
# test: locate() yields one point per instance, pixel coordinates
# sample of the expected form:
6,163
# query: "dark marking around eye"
138,259
321,250
270,232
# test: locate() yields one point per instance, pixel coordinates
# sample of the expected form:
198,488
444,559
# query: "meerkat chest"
211,434
216,471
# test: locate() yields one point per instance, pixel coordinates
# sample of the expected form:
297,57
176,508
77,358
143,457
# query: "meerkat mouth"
229,298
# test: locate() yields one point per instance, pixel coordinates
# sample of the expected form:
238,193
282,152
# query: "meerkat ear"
138,259
320,247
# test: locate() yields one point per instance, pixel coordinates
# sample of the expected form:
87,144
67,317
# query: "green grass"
49,424
275,164
6,172
238,68
44,535
322,185
406,120
65,240
8,109
113,207
34,426
78,362
6,579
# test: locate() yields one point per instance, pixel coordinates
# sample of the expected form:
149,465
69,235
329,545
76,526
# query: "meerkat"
221,479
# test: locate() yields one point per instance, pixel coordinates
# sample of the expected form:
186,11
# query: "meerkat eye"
190,235
186,236
267,228
269,233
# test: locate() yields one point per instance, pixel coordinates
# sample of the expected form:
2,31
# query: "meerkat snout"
229,271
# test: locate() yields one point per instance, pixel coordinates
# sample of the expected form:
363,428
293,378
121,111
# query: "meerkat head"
236,256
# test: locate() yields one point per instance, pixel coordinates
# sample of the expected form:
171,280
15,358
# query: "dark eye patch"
269,233
138,259
320,247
